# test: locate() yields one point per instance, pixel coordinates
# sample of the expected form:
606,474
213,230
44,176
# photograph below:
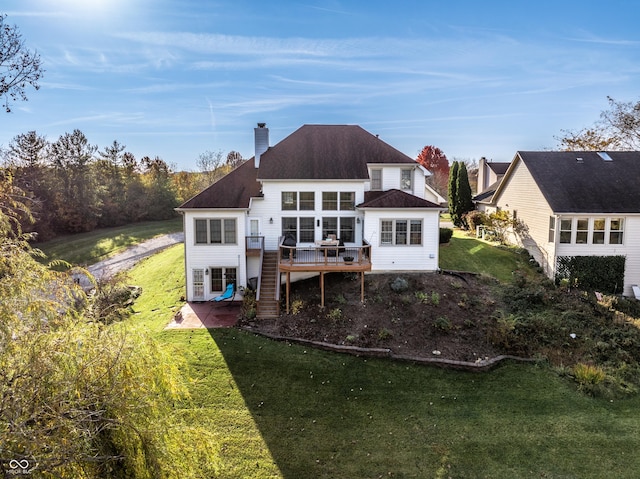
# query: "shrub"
588,376
296,306
111,301
385,333
399,285
445,235
476,218
435,298
249,307
335,314
340,299
443,323
602,273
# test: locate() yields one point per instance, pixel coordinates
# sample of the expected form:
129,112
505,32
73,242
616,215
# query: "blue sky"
176,78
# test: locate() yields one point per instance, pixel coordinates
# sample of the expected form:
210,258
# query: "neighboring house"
343,199
582,203
430,194
489,175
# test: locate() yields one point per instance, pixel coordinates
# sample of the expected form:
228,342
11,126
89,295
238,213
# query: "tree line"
72,186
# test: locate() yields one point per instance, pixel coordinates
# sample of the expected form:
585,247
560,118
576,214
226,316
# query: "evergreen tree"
453,184
463,192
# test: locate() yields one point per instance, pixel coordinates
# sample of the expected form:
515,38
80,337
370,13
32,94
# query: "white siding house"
320,182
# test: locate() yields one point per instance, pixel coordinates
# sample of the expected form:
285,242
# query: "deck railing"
323,255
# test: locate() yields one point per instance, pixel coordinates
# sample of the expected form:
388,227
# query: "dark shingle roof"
233,190
499,167
394,199
327,152
488,193
589,185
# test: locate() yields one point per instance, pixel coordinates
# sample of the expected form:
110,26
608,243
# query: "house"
575,203
490,174
325,198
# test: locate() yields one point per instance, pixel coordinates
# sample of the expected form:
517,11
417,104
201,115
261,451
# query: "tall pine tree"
459,192
453,185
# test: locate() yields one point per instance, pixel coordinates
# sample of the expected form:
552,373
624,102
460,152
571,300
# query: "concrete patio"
206,315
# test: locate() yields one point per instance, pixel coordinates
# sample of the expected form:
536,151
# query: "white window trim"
393,232
208,224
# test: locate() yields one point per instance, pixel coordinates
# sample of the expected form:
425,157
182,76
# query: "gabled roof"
584,181
394,199
498,167
488,193
327,152
233,190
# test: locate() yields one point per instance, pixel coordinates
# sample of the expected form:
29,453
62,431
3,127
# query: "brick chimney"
261,141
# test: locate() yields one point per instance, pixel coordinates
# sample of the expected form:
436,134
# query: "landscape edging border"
481,366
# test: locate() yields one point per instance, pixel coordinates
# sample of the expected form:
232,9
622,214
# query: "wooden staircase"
268,306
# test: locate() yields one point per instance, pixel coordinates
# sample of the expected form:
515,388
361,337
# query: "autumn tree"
160,193
79,398
19,66
618,128
434,160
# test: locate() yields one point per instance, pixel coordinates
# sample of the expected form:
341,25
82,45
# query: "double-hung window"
289,200
302,229
582,230
406,180
329,200
376,179
616,230
401,232
307,201
599,226
565,230
216,231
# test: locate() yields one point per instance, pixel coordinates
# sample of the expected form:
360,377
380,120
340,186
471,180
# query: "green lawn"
94,246
286,411
466,253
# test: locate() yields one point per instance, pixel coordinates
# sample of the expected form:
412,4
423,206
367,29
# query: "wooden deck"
325,259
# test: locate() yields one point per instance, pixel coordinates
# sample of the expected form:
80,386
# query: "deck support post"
362,286
322,289
288,288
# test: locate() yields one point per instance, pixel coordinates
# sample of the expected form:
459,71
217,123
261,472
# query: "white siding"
391,177
522,195
403,258
204,256
270,206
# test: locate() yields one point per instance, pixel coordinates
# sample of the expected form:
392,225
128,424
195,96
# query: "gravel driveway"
128,258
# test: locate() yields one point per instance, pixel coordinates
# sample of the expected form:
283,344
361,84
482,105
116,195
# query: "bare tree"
617,129
19,66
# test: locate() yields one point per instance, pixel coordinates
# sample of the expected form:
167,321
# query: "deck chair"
229,293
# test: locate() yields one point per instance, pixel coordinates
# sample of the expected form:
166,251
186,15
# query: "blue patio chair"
228,293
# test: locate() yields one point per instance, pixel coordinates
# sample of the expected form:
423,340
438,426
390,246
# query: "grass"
466,253
94,246
283,411
286,411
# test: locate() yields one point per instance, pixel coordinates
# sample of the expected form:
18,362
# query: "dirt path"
128,258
